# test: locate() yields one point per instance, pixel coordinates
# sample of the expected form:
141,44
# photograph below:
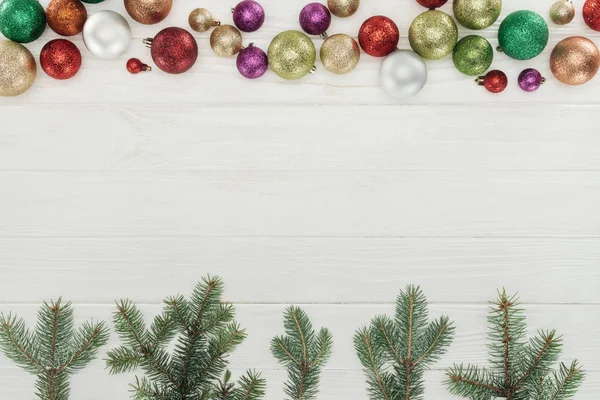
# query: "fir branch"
519,370
303,352
395,353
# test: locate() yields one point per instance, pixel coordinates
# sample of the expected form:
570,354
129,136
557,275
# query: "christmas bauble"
226,41
403,74
343,8
135,66
340,54
174,50
530,80
431,4
106,34
252,62
18,68
523,35
378,36
575,60
248,16
433,35
60,59
66,17
22,21
473,55
591,14
148,12
562,12
202,20
315,19
477,14
92,1
292,55
494,81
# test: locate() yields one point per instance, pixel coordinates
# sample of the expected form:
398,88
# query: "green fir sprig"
54,350
205,334
520,369
396,352
303,352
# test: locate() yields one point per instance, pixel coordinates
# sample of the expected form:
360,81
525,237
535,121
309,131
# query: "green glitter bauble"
433,35
292,55
523,35
473,55
22,21
477,14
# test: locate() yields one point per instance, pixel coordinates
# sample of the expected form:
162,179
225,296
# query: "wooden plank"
318,270
324,204
271,138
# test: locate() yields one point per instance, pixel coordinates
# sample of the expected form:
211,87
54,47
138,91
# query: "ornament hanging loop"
324,35
499,49
147,42
313,70
480,80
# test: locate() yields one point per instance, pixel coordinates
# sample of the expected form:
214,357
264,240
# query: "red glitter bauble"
591,14
60,59
135,66
378,36
431,4
174,50
495,81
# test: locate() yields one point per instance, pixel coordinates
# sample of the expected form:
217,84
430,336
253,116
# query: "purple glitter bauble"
530,80
315,18
252,62
248,16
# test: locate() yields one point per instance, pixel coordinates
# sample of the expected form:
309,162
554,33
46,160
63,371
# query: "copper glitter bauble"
292,55
378,36
18,70
562,12
60,59
477,14
340,54
494,81
433,35
66,17
201,20
148,12
226,41
591,14
174,50
343,8
431,4
575,60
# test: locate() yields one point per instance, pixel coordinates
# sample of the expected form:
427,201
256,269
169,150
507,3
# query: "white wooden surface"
322,192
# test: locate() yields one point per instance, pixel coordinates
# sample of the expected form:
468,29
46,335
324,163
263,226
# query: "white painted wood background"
322,192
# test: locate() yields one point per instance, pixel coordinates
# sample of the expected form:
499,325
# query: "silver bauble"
403,74
107,34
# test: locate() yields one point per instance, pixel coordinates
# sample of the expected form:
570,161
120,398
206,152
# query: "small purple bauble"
248,16
530,80
315,19
252,62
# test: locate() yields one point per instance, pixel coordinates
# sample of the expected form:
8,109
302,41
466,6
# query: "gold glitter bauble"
202,20
18,70
340,54
226,41
292,55
477,14
575,60
343,8
433,35
66,17
148,12
562,12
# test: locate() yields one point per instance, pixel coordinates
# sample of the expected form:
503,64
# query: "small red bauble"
174,50
494,81
431,4
135,66
591,14
378,36
60,59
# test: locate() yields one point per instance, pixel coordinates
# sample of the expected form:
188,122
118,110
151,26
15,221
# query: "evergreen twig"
205,334
519,369
54,350
396,352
